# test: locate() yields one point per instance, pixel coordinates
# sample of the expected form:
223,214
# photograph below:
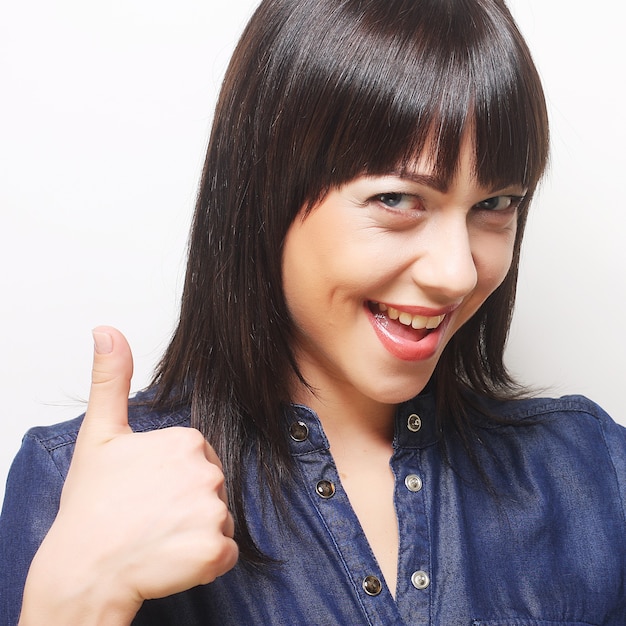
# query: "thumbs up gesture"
142,515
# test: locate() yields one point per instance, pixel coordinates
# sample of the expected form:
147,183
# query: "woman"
350,284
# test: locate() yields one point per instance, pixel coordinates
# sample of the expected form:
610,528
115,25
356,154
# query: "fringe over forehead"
346,87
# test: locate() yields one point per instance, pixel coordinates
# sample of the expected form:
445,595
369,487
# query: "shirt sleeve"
30,506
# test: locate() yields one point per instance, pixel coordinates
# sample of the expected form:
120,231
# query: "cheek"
326,261
307,268
295,277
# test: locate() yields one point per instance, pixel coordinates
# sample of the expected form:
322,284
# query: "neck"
349,416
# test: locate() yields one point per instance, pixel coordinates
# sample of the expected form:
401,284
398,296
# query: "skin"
145,515
405,241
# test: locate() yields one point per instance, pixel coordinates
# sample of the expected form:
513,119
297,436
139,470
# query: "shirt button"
414,423
413,482
299,431
420,579
372,585
325,489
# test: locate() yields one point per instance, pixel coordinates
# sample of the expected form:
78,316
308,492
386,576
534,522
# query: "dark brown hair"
317,93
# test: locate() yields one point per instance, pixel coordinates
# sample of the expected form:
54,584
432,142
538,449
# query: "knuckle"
196,438
220,557
101,377
210,484
215,476
216,518
188,439
221,514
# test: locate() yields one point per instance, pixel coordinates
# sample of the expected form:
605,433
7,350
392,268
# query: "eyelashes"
397,200
499,203
400,201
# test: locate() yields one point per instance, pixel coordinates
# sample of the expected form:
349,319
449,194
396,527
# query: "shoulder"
570,406
570,437
57,441
573,416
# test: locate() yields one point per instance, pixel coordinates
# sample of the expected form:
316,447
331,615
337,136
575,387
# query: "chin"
397,393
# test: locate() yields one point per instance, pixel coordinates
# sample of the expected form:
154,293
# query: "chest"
533,549
463,559
370,486
545,545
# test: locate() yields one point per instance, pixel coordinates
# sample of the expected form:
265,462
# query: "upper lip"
419,310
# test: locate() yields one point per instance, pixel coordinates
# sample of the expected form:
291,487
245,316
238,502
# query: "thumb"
107,411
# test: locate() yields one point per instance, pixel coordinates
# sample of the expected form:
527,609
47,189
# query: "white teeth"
419,322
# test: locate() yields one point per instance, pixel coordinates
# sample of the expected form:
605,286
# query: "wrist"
63,590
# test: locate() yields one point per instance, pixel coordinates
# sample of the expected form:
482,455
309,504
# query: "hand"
142,515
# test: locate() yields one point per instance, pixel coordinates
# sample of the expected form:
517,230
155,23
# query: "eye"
397,200
499,203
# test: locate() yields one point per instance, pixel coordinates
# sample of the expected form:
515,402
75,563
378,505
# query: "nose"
445,268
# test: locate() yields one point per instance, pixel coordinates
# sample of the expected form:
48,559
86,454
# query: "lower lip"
406,349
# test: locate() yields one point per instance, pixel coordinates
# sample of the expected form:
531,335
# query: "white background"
104,113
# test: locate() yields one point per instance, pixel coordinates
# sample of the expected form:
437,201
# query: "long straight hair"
317,93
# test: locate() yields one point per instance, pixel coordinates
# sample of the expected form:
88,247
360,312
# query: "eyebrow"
441,185
427,180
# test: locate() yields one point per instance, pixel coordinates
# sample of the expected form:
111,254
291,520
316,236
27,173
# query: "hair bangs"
378,86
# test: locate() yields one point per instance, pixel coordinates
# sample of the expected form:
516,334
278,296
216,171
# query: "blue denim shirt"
546,546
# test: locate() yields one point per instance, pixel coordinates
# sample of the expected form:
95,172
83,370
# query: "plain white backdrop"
104,115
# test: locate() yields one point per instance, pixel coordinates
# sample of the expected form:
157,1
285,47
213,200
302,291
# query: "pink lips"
404,343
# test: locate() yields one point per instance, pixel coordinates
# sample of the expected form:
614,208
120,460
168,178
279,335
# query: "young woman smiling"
332,436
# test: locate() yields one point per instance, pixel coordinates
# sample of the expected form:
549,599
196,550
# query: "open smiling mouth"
402,324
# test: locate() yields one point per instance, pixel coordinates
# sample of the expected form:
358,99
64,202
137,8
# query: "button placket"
336,523
412,501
